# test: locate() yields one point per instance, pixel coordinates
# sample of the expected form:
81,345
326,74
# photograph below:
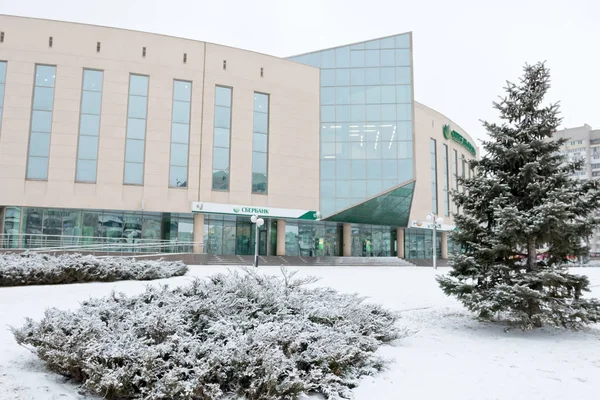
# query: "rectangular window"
180,133
433,155
41,122
260,143
136,130
446,183
463,172
455,172
222,138
2,80
89,125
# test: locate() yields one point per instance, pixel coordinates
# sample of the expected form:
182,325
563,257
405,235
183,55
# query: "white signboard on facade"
269,212
429,225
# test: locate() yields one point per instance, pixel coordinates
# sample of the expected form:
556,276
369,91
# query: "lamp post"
433,218
258,222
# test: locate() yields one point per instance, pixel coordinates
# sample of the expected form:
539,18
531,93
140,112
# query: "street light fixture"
258,222
436,220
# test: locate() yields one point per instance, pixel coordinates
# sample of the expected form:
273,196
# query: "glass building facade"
366,120
35,227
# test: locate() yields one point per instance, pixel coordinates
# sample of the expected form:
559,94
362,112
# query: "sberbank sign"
460,139
251,210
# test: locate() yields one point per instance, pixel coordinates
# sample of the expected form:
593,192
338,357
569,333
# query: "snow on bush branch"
238,334
42,269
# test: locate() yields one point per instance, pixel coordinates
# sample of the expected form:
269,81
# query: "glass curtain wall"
366,119
89,125
42,227
41,122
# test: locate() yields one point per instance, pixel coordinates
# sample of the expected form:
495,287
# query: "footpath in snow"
450,356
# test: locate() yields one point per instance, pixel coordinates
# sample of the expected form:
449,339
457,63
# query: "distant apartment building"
583,142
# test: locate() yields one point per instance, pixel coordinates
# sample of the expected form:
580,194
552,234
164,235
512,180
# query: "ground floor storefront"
212,233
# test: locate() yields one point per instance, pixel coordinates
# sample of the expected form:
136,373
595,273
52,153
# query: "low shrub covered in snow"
237,334
42,269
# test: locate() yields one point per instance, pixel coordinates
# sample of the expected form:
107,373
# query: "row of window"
135,144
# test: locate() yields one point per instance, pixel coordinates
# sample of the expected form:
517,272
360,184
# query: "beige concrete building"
127,139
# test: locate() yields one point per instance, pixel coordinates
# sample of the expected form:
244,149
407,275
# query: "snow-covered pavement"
451,356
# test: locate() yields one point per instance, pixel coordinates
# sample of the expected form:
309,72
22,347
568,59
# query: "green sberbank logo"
458,138
447,131
251,210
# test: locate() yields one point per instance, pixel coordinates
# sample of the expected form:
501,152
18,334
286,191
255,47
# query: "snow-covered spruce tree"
521,202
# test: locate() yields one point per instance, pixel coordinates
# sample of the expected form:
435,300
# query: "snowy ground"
450,357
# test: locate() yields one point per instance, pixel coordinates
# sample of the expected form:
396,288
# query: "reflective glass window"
327,77
43,97
357,58
404,112
388,112
342,113
342,57
91,102
328,59
404,93
136,130
388,76
89,125
221,138
137,107
327,95
372,58
2,80
327,113
387,57
138,85
357,76
357,95
433,163
40,142
37,167
342,95
446,180
387,43
260,143
403,76
373,76
342,169
373,94
388,94
45,75
180,132
402,41
402,57
41,121
342,77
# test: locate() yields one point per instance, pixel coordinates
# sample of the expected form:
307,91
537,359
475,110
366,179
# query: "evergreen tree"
521,203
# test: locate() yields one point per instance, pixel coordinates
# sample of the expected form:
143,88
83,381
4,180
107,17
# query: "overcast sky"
464,50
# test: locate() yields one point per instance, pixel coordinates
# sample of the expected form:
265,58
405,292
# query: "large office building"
583,143
111,136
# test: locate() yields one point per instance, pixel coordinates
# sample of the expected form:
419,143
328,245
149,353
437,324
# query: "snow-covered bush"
237,334
42,269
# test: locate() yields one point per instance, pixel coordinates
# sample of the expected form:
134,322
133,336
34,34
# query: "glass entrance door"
245,233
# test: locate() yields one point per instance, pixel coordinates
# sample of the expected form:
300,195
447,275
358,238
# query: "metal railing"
129,246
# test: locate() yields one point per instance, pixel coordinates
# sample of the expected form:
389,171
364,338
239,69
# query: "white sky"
464,50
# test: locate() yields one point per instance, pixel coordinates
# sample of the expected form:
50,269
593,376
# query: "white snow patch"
451,356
